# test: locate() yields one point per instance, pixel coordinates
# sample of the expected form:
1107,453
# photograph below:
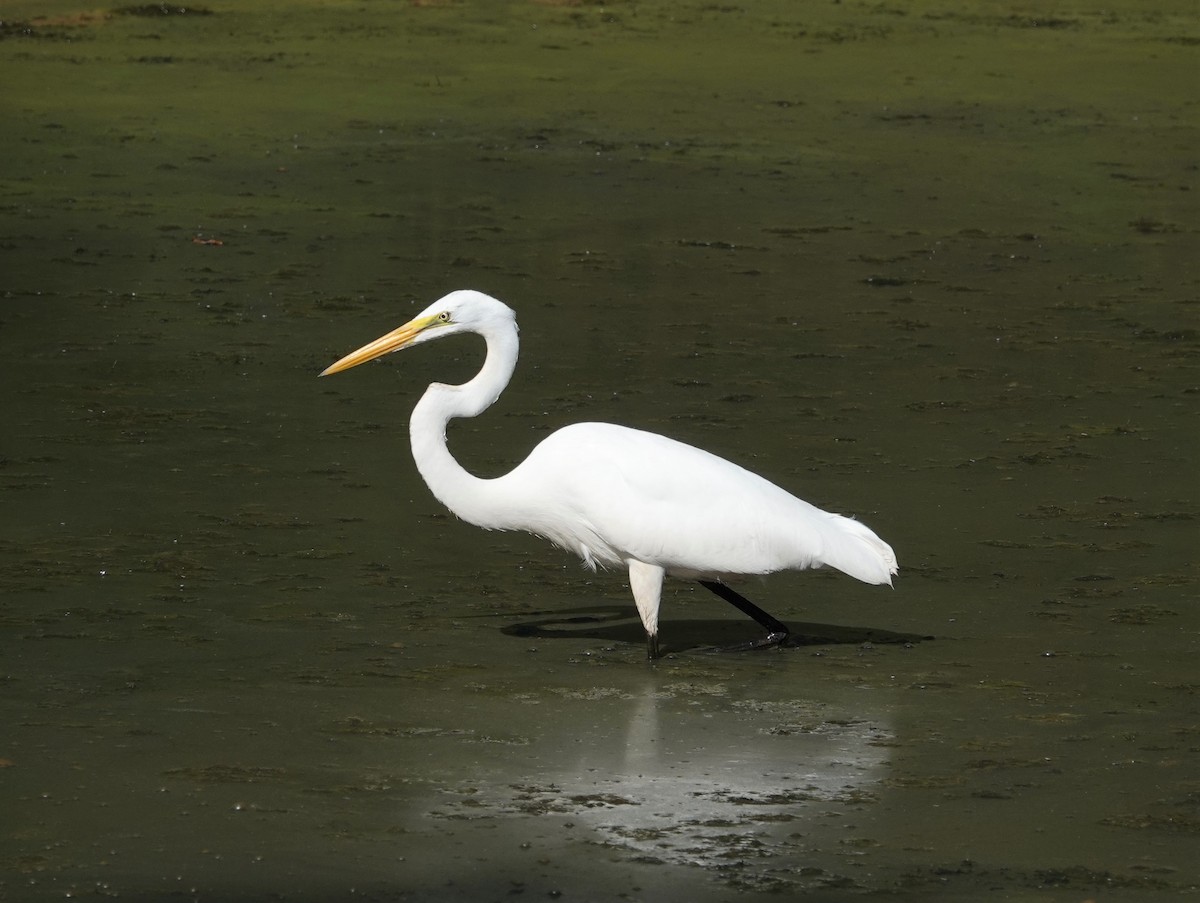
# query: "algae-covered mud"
931,264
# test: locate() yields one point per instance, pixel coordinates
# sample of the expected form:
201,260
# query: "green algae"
932,264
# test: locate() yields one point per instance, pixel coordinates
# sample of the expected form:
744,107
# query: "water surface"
931,264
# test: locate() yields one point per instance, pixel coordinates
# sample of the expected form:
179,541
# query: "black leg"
777,631
651,646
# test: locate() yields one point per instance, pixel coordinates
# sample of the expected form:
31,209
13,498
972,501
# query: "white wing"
610,494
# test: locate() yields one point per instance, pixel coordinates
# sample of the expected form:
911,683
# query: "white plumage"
617,496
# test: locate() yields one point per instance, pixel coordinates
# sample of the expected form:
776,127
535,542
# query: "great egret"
620,496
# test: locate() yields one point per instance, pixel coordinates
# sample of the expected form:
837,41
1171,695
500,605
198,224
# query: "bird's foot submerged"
776,639
652,652
777,631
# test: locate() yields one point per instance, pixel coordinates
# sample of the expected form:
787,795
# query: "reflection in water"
667,777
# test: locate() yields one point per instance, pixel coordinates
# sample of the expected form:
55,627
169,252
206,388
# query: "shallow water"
932,264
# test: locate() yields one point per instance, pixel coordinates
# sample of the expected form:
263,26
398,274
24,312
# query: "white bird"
617,496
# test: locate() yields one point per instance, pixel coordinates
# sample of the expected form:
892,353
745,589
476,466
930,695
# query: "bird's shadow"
620,624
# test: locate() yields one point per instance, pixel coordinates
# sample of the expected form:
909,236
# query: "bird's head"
461,311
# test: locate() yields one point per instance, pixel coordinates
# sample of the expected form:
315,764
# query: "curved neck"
469,497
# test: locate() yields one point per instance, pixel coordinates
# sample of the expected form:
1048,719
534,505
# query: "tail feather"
854,549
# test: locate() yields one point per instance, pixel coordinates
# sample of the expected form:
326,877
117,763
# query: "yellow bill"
385,344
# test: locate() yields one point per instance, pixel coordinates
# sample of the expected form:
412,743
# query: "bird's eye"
444,316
